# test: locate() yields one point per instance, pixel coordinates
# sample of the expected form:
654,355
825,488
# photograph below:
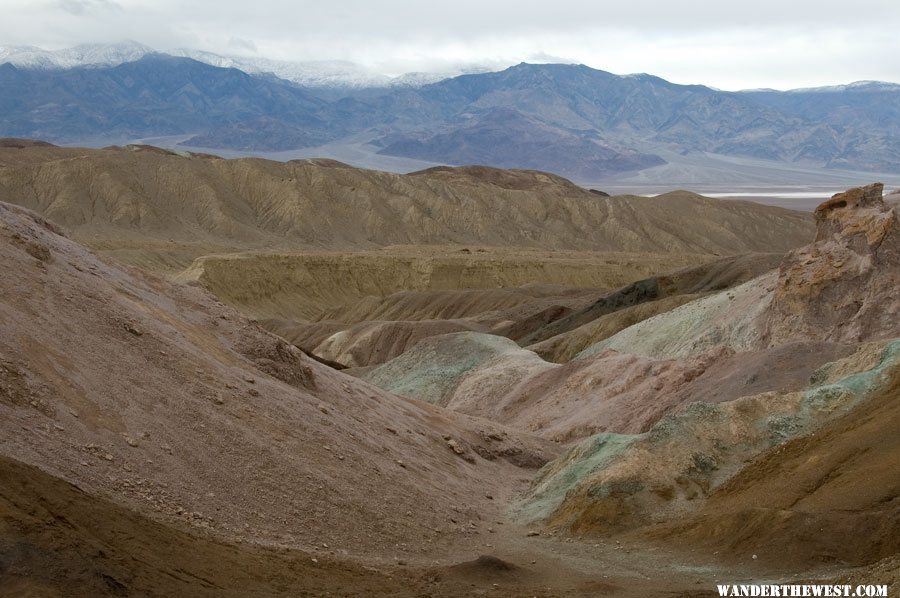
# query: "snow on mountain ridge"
325,73
31,57
309,73
855,86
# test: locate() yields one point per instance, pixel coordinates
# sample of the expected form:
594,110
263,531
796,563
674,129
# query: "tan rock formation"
845,286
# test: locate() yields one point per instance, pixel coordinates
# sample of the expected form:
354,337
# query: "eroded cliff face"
843,286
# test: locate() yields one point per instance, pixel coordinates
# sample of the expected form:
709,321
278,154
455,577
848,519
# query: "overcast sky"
726,44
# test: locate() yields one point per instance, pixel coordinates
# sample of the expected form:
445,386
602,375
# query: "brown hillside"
196,205
156,396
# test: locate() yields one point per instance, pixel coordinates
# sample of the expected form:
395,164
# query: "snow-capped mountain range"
319,73
326,73
31,57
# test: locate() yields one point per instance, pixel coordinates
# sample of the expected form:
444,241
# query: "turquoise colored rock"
559,476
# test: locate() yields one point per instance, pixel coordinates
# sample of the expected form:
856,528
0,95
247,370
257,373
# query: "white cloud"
87,7
239,44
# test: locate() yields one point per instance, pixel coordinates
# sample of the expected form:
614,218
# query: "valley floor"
56,538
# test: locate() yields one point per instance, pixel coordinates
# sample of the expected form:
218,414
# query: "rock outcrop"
844,285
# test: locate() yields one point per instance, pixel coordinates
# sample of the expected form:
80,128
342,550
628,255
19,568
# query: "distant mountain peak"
867,85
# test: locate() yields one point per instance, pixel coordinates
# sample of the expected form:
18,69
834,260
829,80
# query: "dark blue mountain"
649,111
157,95
571,119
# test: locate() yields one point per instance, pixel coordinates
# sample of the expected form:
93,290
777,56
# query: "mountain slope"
571,119
528,143
842,478
156,95
119,196
871,103
155,396
652,111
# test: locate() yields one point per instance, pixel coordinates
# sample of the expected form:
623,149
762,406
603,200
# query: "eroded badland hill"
241,377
